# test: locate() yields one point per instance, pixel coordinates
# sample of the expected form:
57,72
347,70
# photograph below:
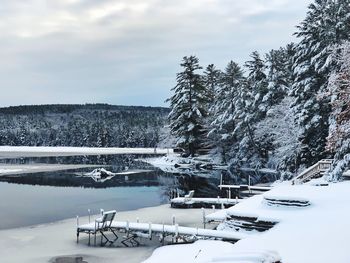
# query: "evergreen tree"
188,106
279,76
211,77
258,86
251,108
224,110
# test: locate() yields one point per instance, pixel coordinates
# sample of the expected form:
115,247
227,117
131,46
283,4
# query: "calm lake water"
30,199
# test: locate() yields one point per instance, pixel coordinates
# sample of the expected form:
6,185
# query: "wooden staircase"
315,171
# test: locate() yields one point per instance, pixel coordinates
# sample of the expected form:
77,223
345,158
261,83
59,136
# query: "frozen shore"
10,169
44,243
42,151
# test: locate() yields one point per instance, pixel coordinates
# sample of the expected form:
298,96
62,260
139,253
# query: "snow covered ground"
29,151
45,242
317,233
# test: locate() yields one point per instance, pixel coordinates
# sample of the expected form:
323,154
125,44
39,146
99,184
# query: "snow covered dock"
183,202
176,231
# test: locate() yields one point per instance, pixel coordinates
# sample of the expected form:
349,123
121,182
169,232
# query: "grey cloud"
125,55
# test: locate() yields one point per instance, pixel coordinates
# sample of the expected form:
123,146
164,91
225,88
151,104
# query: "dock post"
137,220
229,193
213,207
78,230
176,232
150,230
249,184
89,212
203,215
174,222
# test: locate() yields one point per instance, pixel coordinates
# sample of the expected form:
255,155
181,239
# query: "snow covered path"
42,151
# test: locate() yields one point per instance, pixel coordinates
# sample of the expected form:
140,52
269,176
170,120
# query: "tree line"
92,125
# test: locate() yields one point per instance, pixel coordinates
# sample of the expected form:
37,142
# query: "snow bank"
317,233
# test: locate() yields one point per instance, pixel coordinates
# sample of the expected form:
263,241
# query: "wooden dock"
183,202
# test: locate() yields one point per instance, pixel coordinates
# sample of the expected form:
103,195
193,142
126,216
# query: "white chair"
101,225
189,196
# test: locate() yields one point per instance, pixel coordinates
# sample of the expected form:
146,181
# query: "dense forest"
93,125
286,109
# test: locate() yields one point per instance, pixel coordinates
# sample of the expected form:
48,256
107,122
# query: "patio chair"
189,196
101,225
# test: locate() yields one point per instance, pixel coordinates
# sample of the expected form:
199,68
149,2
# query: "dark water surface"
29,199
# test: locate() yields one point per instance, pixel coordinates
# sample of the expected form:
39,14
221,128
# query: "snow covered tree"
279,76
279,129
258,86
224,110
250,108
327,23
338,140
211,77
188,106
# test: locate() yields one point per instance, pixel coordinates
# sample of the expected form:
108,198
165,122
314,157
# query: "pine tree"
327,23
211,77
279,76
251,108
223,124
188,106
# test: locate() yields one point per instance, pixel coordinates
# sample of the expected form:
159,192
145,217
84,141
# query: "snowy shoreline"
43,243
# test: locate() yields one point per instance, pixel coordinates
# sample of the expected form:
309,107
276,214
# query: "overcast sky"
128,51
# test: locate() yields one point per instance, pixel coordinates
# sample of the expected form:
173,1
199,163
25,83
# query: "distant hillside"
94,125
